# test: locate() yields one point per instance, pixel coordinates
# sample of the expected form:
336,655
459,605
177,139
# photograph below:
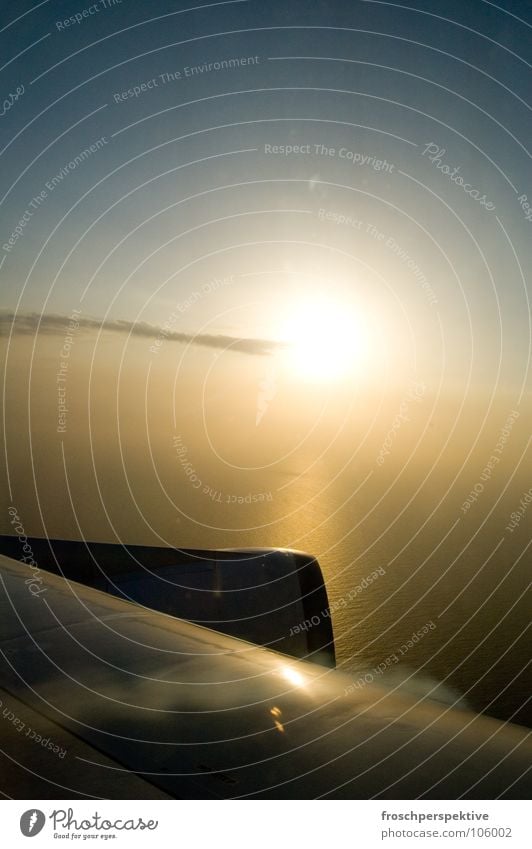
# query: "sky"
261,228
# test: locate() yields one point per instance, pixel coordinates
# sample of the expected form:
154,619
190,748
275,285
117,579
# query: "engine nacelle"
270,596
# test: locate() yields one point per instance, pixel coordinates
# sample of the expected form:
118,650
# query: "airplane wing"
145,705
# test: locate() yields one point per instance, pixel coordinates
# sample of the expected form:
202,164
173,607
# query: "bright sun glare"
325,341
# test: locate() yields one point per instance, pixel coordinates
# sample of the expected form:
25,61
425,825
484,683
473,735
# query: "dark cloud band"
54,324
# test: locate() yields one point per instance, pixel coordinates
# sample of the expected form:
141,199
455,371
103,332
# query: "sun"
324,340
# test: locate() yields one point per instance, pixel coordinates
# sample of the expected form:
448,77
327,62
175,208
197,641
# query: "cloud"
54,324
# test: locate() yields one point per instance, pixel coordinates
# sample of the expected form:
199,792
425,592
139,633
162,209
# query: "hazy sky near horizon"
260,226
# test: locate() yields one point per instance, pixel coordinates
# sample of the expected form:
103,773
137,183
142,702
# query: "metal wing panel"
197,713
